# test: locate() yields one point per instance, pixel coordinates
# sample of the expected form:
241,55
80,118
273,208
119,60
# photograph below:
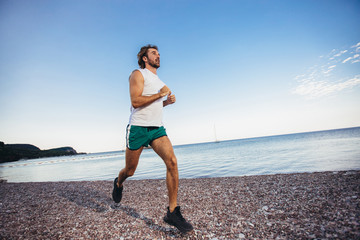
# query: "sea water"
332,150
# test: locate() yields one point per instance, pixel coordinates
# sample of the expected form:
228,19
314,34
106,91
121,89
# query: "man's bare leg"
163,147
131,162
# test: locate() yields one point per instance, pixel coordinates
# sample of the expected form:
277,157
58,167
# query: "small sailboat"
216,139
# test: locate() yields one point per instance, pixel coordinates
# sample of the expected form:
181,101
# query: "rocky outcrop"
14,152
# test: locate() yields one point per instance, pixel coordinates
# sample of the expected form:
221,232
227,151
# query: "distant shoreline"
16,152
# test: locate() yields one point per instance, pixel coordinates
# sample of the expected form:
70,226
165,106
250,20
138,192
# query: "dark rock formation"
14,152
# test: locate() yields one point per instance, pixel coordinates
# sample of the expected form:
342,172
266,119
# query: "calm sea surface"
332,150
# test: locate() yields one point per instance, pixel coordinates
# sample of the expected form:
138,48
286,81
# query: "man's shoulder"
139,71
136,74
136,70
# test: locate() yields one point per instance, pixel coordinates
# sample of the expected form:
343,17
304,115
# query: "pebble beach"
323,205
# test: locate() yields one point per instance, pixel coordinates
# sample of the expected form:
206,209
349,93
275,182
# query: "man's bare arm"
136,88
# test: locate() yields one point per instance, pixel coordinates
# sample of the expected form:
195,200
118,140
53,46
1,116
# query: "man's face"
153,58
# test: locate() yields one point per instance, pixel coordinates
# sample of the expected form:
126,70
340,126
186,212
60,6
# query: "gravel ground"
323,205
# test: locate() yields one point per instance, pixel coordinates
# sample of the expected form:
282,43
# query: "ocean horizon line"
237,139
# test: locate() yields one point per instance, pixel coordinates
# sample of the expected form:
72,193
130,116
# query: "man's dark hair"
142,53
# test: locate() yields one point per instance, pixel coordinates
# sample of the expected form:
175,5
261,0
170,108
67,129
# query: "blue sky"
250,68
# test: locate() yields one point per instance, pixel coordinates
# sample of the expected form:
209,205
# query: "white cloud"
300,76
329,75
356,45
340,53
351,58
329,69
314,89
346,60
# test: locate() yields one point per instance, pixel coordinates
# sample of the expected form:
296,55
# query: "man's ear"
144,58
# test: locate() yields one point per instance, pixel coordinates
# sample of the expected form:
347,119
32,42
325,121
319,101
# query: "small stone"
251,224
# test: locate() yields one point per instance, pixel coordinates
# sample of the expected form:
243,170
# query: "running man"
146,128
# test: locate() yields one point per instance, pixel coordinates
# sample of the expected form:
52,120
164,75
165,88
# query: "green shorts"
137,136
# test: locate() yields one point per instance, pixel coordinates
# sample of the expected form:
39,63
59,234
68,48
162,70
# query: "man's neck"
151,69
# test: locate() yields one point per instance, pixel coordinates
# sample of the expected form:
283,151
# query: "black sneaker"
176,219
117,192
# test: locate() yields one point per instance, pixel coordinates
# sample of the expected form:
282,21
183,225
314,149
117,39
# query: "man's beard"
154,64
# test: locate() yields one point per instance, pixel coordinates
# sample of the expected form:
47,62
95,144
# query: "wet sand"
323,205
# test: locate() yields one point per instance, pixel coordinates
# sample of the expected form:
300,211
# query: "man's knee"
172,163
130,172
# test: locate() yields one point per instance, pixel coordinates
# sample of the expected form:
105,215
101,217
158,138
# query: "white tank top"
150,115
